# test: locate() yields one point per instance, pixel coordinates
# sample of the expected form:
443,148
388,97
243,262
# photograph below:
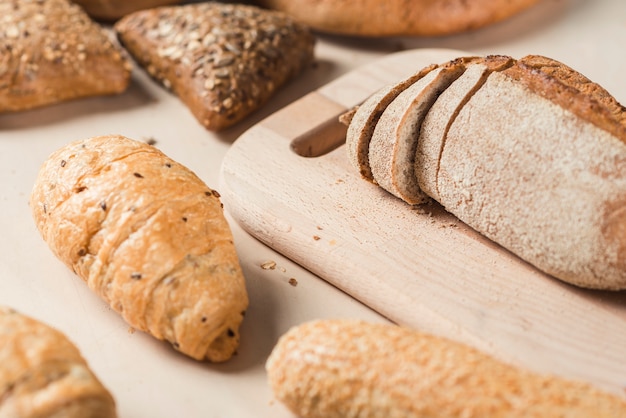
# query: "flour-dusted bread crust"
364,119
223,61
345,368
42,374
110,10
437,121
51,51
149,237
536,161
398,17
394,140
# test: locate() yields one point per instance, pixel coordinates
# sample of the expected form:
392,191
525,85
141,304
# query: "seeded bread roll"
110,10
349,368
398,17
222,60
51,51
149,237
42,374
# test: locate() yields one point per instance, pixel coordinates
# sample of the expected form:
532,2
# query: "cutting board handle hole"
320,140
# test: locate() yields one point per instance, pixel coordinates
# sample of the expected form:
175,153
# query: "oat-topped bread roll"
42,374
223,60
149,237
110,10
51,51
349,368
398,17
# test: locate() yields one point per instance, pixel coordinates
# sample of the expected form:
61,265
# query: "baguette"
223,61
51,52
350,368
532,157
149,237
42,374
398,17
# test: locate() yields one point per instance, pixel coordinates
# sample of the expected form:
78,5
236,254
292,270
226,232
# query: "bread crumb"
316,237
131,330
268,265
293,282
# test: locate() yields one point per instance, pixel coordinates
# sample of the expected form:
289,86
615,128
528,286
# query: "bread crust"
51,52
149,237
42,374
111,10
340,368
223,61
398,17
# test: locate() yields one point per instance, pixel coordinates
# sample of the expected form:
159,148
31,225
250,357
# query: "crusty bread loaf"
349,368
222,60
394,140
42,374
531,154
398,17
110,10
149,237
361,124
51,51
440,116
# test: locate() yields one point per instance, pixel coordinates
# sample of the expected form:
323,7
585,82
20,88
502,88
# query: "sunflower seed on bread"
222,60
42,373
51,51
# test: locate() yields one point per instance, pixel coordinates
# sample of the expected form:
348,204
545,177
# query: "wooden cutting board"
287,181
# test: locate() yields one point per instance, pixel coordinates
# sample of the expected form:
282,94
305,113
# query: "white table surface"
147,377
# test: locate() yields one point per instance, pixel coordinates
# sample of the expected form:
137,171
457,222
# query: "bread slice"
42,373
222,60
149,237
53,52
365,118
536,161
443,112
394,140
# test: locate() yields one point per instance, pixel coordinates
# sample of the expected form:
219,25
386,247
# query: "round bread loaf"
398,17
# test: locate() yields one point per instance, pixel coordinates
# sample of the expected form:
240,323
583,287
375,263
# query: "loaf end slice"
53,52
149,237
364,120
42,373
394,140
223,61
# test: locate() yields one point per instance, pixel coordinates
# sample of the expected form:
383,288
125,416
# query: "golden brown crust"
149,237
42,374
398,17
110,10
339,368
571,90
51,51
223,61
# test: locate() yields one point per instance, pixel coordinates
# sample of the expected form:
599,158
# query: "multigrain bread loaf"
51,51
110,10
349,368
222,60
149,237
398,17
42,374
533,158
